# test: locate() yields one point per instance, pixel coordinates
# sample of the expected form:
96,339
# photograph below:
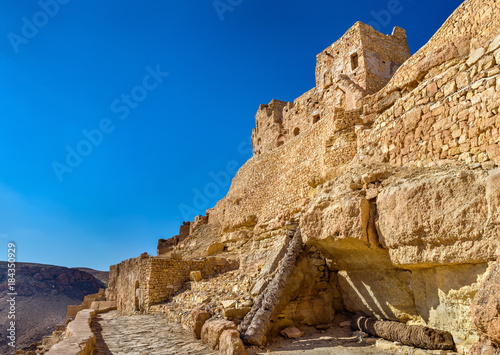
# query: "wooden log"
412,335
272,301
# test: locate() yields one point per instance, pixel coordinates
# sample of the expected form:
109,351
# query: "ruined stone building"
358,64
388,167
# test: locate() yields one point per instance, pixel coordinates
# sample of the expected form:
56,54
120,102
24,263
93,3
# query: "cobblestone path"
143,335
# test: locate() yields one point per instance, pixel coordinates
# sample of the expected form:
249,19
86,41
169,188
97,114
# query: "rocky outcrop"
486,310
434,229
447,217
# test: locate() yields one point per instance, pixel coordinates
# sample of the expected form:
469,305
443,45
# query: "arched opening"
316,119
296,131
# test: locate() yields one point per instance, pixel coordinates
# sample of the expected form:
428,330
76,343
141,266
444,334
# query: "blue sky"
119,120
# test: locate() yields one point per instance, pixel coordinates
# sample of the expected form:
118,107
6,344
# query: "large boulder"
199,317
211,331
215,249
230,343
486,306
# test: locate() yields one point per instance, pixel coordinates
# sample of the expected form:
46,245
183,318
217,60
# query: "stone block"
475,56
199,317
215,249
236,313
195,276
211,331
228,304
291,333
230,343
494,45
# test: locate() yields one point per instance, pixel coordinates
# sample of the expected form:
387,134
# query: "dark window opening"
296,131
316,119
354,61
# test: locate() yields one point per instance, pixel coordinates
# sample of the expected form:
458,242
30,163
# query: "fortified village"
375,194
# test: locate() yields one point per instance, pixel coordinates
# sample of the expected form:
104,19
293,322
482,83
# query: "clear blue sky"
88,65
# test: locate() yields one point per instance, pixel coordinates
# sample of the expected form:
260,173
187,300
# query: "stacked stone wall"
137,284
451,115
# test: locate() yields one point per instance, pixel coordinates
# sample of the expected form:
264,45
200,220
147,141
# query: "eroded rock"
230,343
211,331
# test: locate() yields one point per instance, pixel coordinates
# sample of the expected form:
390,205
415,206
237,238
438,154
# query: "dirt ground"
334,340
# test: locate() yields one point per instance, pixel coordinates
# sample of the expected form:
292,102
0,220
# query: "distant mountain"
43,294
103,276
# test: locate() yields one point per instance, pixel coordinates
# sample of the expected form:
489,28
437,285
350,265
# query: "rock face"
389,166
443,218
486,307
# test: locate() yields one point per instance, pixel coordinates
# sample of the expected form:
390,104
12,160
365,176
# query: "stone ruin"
375,193
360,63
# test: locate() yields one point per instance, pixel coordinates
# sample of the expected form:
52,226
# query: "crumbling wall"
137,284
269,129
368,57
359,63
279,181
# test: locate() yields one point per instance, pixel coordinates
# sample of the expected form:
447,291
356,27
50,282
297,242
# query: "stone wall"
280,181
367,56
359,63
452,114
86,304
269,131
137,284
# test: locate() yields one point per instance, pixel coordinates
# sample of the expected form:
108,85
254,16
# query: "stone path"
143,335
153,335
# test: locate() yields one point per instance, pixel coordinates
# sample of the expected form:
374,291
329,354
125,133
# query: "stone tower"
360,63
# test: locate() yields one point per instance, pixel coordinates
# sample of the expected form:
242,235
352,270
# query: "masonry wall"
137,284
450,114
281,180
382,55
269,127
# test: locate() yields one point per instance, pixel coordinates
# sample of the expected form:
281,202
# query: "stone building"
360,63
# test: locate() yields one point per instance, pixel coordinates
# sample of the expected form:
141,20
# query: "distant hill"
44,293
103,276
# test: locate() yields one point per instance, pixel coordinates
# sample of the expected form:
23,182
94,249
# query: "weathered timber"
413,335
271,302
